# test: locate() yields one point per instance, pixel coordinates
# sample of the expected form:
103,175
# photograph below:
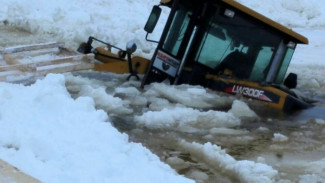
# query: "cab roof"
298,37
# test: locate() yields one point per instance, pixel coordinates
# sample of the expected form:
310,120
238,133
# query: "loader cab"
222,38
205,41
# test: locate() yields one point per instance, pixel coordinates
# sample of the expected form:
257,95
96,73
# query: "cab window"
238,44
177,31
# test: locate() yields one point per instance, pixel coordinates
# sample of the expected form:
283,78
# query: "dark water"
314,112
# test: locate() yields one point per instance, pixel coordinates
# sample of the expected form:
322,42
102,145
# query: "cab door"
175,42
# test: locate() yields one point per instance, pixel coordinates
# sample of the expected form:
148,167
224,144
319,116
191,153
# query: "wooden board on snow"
22,62
22,48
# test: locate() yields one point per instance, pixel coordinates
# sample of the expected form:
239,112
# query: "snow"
106,101
74,21
194,96
181,118
311,178
177,163
320,121
278,137
55,138
241,110
291,13
316,170
103,100
49,135
243,170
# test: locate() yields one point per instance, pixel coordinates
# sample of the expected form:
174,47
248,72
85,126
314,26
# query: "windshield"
237,44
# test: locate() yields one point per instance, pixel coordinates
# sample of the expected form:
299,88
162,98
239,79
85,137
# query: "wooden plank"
42,71
31,67
71,61
16,58
85,58
9,174
20,67
8,59
20,76
75,67
16,76
30,47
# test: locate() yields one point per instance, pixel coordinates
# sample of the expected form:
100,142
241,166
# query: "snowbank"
243,171
74,21
118,22
291,13
47,134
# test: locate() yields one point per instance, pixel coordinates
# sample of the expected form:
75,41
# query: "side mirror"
291,81
153,19
131,47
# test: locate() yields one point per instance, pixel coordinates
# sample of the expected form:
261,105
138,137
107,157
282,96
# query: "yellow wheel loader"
218,44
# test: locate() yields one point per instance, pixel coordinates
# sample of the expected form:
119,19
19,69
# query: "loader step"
27,61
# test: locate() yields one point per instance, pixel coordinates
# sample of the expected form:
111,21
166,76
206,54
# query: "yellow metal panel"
142,64
112,63
106,56
276,91
139,65
116,67
165,1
